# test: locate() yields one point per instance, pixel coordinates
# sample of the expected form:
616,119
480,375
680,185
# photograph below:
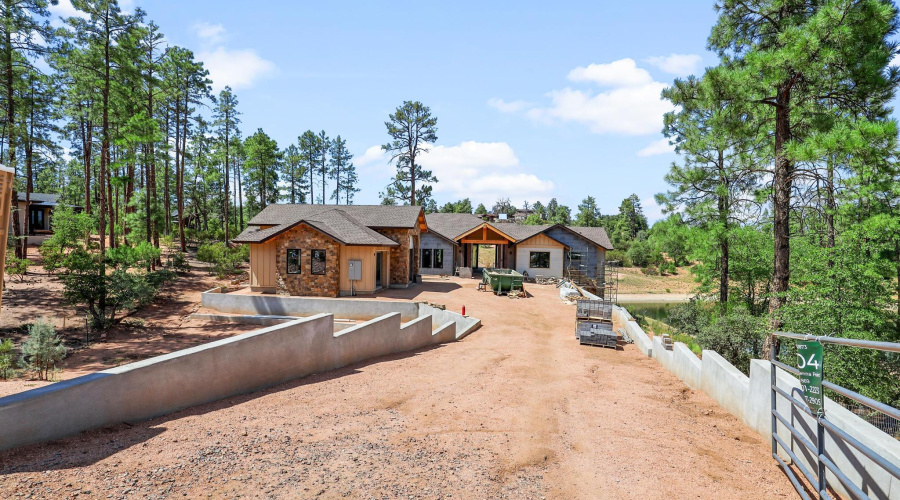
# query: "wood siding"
262,265
540,243
367,256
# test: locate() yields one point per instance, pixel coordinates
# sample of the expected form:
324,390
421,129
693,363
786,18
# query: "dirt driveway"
516,410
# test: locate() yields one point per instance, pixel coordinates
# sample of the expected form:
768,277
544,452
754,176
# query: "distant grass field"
632,280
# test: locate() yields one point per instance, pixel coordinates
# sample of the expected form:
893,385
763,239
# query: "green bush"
225,260
618,255
640,253
688,318
178,261
42,349
114,282
737,336
16,267
7,359
650,271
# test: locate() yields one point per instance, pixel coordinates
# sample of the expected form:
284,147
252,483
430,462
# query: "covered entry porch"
485,246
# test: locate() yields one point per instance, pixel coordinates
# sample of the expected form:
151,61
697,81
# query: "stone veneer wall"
306,239
400,255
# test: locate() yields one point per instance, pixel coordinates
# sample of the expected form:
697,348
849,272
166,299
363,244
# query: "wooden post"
7,176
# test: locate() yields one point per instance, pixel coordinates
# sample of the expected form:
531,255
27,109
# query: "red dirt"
159,328
517,410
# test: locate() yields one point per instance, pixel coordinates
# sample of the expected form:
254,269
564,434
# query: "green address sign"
809,362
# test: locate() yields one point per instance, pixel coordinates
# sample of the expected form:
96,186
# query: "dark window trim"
434,258
312,256
287,263
531,261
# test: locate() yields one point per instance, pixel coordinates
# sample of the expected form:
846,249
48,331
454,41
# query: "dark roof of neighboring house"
381,216
521,231
41,198
596,235
452,226
334,221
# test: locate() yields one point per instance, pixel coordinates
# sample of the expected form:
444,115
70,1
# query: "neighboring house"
548,250
333,250
39,213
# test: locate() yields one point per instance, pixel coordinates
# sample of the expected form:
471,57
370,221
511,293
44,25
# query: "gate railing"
823,464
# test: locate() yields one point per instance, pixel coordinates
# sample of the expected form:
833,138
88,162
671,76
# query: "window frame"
581,256
287,260
312,260
427,264
434,258
531,259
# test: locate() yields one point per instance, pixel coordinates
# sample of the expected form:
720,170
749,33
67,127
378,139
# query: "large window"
293,261
576,257
540,260
317,265
432,258
438,258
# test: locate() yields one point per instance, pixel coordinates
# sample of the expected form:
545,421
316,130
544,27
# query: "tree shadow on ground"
92,446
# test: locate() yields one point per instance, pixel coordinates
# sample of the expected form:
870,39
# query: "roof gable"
380,216
334,222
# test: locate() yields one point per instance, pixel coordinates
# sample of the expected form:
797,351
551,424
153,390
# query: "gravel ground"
515,410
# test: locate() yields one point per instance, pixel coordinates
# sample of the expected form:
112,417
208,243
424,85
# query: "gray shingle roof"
594,234
520,231
452,226
45,198
333,221
400,217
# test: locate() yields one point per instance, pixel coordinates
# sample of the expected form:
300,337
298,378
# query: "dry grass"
632,280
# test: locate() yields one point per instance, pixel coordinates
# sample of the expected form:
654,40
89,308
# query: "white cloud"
628,110
65,9
652,210
210,33
677,64
373,155
659,147
482,171
238,68
629,103
508,106
621,73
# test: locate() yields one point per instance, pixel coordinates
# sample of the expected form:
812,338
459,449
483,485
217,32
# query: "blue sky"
534,100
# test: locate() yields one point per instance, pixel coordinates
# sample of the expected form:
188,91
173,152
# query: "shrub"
17,267
688,318
650,271
639,253
108,284
225,260
42,349
737,336
668,268
7,359
178,261
618,255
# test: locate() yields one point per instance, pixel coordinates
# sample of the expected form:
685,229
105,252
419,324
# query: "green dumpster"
502,280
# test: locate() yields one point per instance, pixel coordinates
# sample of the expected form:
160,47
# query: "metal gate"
823,464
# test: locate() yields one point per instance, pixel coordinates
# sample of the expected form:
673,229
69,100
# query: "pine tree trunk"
181,176
240,224
11,120
87,138
781,207
227,176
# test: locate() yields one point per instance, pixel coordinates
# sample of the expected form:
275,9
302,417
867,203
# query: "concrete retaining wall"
749,399
356,309
276,305
635,332
236,365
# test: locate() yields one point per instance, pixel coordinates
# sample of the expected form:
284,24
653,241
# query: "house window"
540,260
293,261
576,257
426,258
438,258
318,262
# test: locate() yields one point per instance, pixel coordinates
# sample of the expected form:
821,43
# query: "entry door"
378,264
